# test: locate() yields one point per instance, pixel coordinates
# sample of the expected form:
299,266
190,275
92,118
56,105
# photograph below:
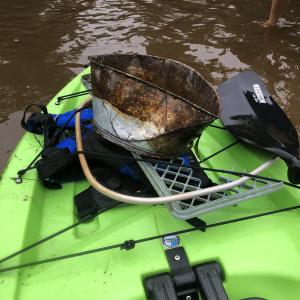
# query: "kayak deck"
260,257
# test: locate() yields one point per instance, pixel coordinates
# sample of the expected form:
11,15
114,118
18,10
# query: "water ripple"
43,43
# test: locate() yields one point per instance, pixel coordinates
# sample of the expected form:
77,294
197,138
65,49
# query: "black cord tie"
128,245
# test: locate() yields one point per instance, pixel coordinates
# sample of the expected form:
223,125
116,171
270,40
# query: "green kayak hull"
260,256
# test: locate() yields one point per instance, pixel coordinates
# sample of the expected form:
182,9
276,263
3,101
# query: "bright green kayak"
260,256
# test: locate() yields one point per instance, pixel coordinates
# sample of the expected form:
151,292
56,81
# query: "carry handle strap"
24,123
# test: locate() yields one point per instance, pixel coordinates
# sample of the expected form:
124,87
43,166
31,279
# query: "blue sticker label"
171,241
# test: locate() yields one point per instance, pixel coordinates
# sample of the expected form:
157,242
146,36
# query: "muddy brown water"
43,44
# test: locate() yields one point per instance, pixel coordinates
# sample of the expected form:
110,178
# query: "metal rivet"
188,298
18,180
176,257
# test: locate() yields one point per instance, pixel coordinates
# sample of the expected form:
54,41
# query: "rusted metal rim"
94,59
157,87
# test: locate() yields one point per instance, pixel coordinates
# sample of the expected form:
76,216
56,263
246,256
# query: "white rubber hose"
153,200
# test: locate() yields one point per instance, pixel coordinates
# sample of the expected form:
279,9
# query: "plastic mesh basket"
171,180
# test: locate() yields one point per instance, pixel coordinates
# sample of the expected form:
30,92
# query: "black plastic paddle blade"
250,113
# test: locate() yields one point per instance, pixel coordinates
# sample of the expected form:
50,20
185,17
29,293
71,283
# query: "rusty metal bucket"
150,105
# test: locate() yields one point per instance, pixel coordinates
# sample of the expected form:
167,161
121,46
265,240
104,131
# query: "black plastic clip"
197,223
128,245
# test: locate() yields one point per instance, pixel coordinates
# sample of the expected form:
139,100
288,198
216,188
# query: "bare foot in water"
267,25
275,13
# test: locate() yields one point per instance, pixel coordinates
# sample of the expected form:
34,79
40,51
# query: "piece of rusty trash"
150,105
